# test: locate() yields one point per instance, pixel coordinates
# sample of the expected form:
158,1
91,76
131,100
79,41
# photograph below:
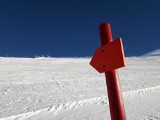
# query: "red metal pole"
117,110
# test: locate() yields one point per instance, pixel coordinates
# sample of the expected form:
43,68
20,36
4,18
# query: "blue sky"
70,28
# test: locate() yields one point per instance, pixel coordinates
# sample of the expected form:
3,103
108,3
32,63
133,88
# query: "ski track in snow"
53,110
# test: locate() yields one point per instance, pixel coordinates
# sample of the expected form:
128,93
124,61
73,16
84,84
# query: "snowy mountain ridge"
153,53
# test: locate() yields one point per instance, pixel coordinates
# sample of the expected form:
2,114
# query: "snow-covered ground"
70,89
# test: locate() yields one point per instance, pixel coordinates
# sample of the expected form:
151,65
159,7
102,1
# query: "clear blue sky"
70,28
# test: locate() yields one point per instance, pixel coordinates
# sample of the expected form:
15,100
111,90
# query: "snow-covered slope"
70,89
153,53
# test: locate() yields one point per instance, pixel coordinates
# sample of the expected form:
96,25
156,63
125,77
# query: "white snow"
153,53
70,89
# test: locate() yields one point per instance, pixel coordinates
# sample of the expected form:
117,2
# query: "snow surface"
70,89
153,53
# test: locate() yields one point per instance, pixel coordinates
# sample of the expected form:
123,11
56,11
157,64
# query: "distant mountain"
153,53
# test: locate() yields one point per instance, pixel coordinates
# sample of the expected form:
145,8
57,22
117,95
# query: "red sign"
109,57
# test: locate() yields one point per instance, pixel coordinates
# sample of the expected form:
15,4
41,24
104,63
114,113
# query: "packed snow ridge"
153,53
70,89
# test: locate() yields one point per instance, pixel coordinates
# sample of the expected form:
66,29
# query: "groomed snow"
70,89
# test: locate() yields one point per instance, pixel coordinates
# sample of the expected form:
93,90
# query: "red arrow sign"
108,58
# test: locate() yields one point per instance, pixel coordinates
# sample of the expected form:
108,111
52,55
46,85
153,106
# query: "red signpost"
108,58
